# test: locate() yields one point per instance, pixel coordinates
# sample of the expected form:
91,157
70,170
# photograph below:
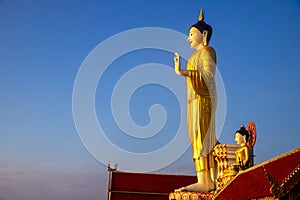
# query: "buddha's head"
241,136
200,33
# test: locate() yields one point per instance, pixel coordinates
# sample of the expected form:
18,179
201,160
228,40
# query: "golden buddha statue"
243,152
242,156
201,103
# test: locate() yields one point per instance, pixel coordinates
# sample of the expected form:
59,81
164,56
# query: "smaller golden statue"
243,152
242,155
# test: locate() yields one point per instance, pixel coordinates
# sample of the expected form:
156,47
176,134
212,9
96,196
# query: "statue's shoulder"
210,50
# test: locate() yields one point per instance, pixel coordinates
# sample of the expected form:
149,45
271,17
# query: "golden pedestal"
191,195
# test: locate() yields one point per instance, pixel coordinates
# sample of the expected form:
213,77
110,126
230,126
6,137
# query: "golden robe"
202,100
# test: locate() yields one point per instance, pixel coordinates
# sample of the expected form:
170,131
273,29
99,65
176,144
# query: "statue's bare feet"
204,184
179,190
197,187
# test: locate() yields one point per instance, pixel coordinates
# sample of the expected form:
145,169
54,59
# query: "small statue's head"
242,135
200,33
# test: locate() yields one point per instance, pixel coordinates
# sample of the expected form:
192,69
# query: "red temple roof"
280,175
257,181
141,186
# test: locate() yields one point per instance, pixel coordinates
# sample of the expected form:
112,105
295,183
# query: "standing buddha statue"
201,103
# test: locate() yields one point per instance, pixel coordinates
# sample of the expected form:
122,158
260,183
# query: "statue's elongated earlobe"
205,37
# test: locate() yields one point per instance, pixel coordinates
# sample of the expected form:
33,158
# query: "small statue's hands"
177,63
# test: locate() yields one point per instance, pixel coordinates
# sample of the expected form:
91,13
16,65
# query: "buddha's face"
240,139
195,38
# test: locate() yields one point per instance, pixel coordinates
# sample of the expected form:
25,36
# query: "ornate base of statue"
191,195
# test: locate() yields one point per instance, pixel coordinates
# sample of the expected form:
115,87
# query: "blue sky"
43,44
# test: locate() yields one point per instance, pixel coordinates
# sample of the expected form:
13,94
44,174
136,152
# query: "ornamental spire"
201,15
